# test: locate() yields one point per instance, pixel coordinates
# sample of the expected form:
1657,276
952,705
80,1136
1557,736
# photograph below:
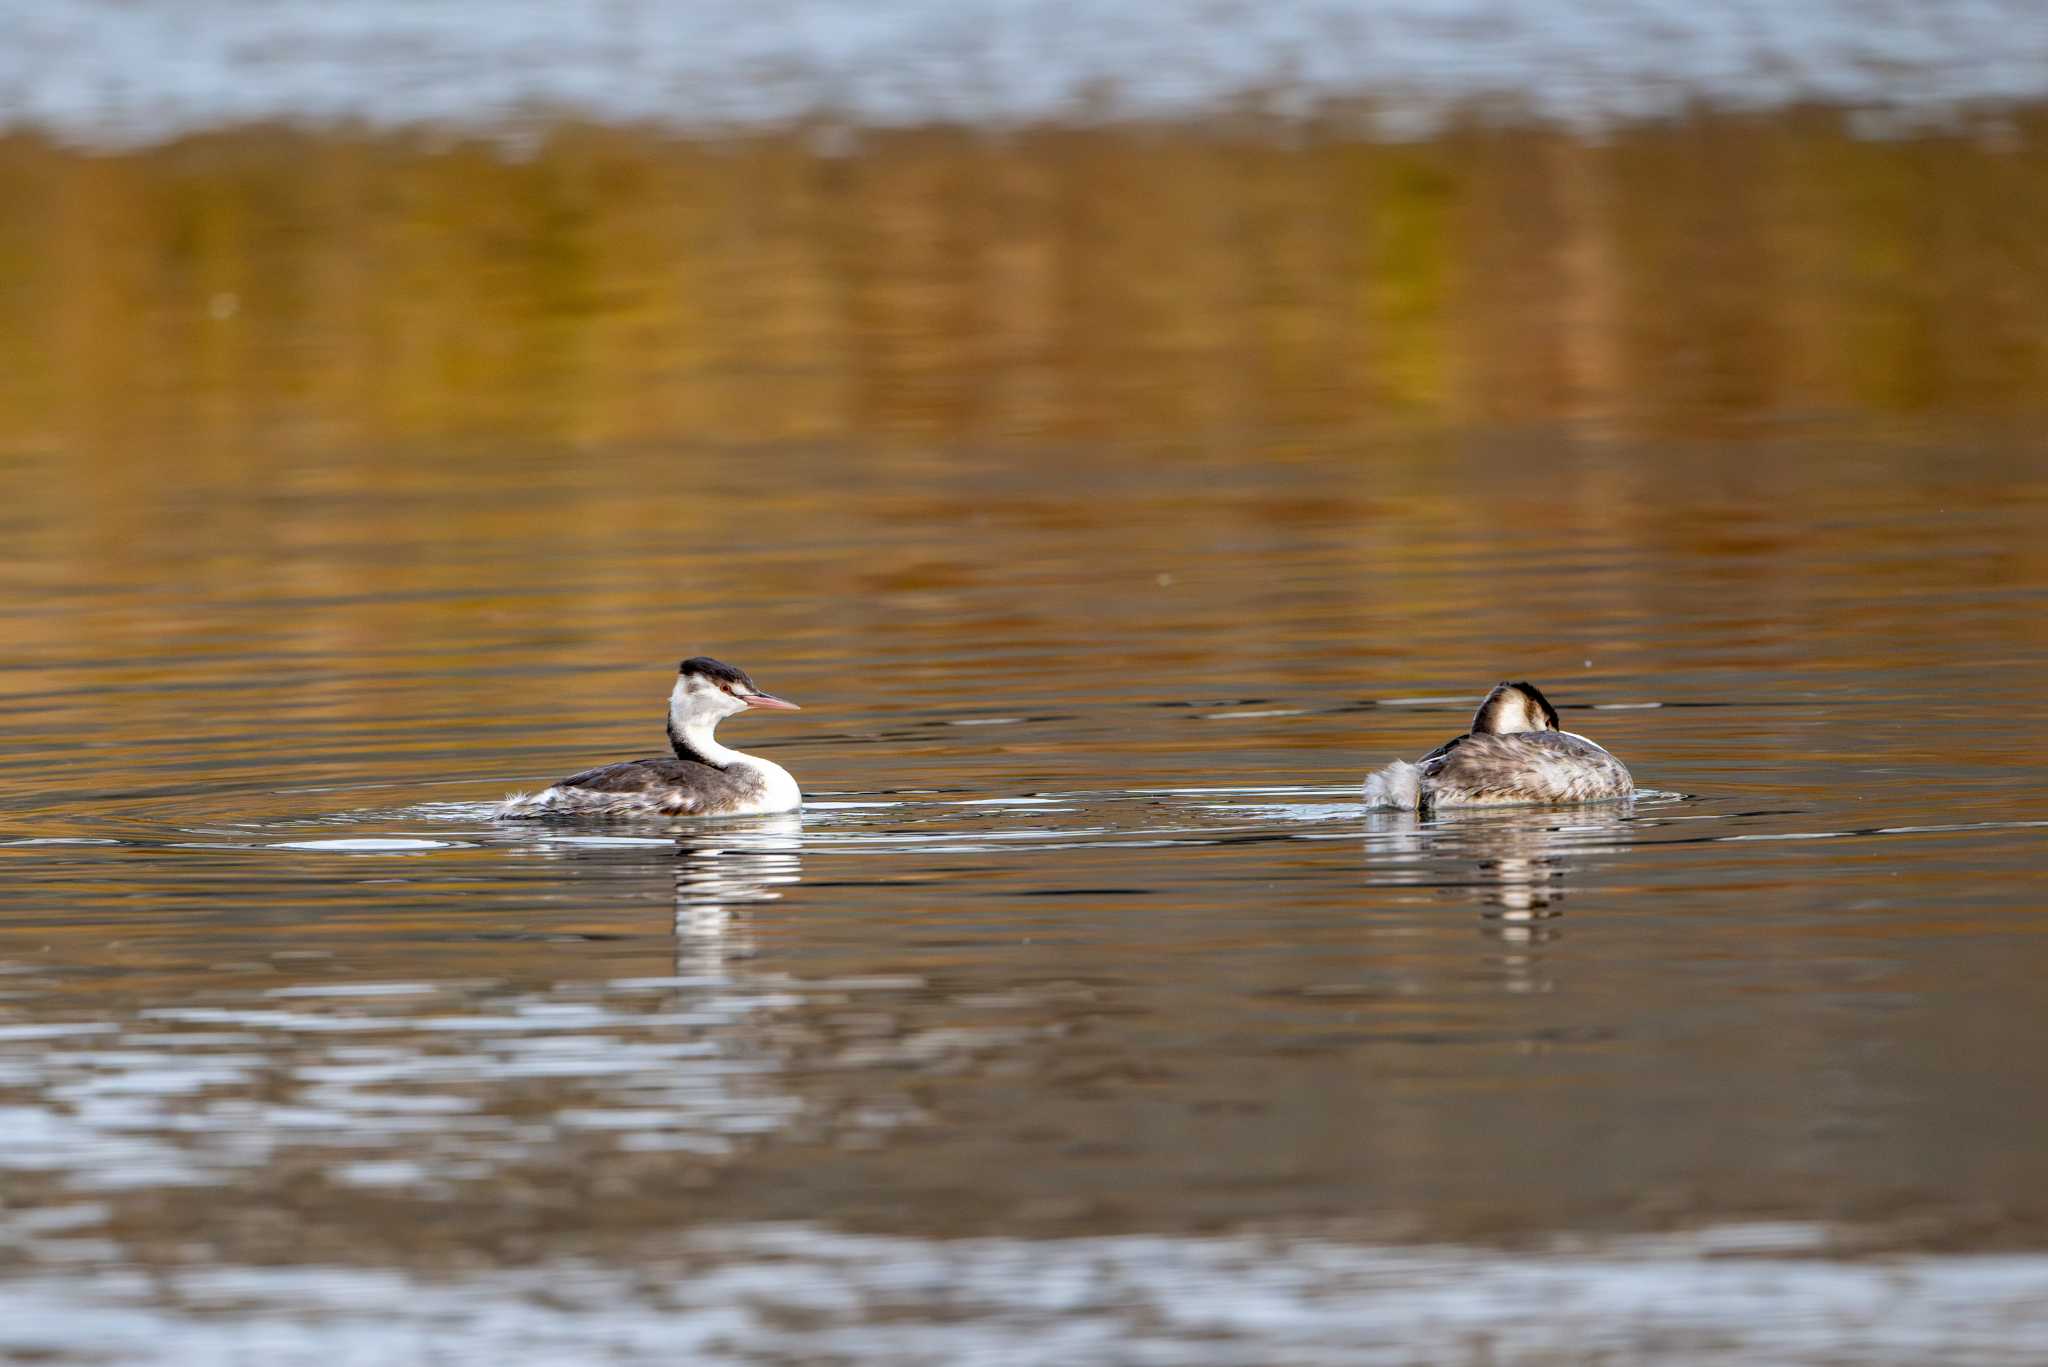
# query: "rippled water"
1083,1014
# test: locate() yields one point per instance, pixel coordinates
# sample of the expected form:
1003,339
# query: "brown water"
1083,1015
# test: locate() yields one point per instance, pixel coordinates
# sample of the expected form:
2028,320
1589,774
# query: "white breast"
779,792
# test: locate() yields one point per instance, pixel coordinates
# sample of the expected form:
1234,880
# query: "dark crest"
718,671
1512,703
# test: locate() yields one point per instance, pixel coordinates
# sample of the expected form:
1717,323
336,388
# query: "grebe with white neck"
1514,753
704,779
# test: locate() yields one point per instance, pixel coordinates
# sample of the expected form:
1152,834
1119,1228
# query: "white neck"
697,729
695,717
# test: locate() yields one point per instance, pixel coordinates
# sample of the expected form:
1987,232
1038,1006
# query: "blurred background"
1013,220
1121,427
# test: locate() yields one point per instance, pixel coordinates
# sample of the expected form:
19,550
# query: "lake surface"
1083,1015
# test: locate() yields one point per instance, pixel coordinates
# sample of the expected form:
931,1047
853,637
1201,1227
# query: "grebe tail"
1398,787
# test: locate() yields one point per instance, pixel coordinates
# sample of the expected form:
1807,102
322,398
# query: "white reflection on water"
1520,855
800,1293
96,68
423,1084
398,845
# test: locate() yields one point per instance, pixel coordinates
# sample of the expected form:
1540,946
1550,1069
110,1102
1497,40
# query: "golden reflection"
244,289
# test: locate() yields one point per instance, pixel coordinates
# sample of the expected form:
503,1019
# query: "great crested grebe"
1513,753
704,779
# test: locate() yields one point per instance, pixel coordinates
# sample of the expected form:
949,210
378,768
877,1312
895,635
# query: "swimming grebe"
704,779
1513,753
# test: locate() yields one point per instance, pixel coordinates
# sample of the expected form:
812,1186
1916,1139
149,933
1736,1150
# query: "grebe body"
703,778
1514,753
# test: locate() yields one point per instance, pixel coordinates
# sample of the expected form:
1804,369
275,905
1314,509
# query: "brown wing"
1453,743
670,777
679,785
630,776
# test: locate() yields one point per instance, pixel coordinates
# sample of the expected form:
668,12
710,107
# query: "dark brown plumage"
678,787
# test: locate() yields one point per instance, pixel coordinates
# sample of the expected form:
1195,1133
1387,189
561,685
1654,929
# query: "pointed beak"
771,702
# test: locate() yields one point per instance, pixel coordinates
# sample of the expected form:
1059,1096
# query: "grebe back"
1514,753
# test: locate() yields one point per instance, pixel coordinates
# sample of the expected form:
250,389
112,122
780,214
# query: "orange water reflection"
1210,285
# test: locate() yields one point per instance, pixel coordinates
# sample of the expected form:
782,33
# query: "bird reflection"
1522,854
720,873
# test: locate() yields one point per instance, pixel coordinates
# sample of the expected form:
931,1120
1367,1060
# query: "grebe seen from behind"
1514,753
704,779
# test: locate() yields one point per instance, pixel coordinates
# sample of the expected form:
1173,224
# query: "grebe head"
1512,708
707,690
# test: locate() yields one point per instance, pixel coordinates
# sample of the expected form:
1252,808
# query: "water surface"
1113,501
1083,1001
